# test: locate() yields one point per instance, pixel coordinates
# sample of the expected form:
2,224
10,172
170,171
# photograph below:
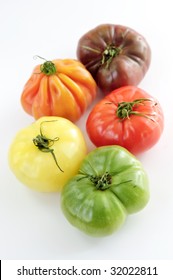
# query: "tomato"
128,117
115,55
47,153
111,183
62,88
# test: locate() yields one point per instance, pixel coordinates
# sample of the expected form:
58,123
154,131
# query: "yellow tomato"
47,153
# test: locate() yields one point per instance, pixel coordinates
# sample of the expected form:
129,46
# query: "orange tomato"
62,87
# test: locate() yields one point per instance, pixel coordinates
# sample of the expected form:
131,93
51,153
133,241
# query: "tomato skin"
115,55
37,169
136,133
100,208
66,93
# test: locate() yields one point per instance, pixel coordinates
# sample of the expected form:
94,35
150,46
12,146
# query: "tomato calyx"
43,143
91,49
109,53
101,182
125,109
48,67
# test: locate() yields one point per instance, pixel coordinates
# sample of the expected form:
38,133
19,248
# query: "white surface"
32,224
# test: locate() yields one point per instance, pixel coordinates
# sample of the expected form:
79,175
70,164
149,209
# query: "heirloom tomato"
111,183
47,153
115,55
128,117
62,87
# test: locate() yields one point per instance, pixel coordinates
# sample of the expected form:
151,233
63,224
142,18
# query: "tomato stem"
109,53
43,144
91,49
125,109
48,67
101,182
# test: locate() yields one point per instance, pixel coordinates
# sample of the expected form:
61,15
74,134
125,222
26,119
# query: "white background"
32,225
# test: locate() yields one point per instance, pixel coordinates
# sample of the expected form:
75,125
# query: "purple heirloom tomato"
115,55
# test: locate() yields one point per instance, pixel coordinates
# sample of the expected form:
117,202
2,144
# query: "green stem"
43,143
91,49
125,109
101,182
109,53
48,67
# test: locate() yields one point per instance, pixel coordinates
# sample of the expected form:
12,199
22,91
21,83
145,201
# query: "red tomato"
128,117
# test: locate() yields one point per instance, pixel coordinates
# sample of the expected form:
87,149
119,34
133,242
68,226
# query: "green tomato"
110,184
